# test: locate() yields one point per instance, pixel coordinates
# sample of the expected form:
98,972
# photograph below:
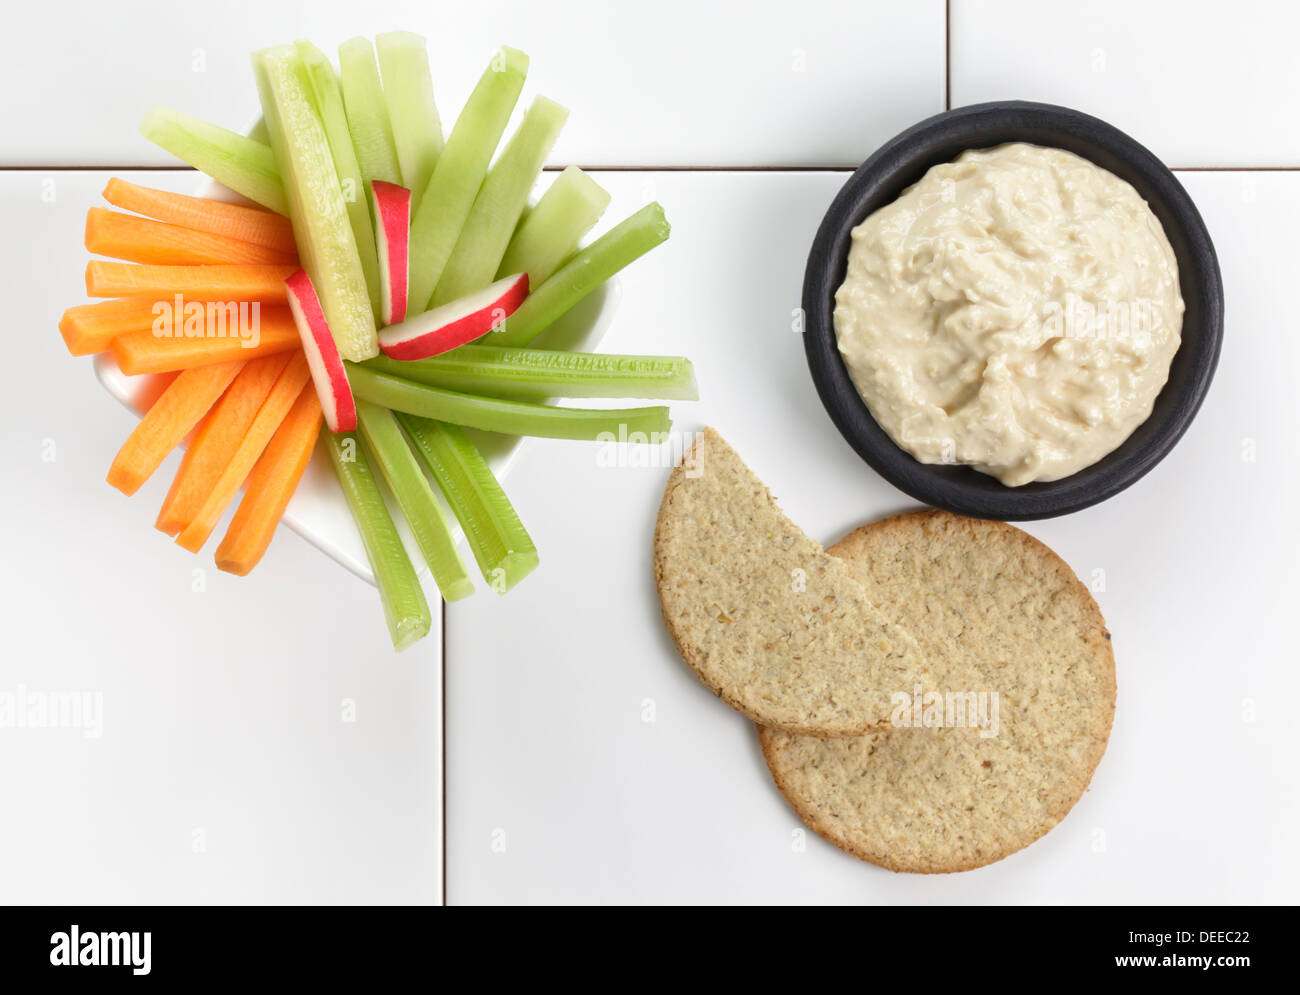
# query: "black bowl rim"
952,487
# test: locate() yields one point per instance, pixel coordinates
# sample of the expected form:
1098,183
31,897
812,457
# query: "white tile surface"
225,771
676,82
224,707
1200,82
559,790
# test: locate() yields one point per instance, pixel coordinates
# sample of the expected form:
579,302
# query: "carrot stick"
214,340
167,422
139,240
271,485
213,282
152,386
283,394
216,441
91,328
246,224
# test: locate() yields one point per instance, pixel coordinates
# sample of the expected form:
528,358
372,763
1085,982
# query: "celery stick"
550,232
496,210
502,547
405,608
372,135
456,178
321,226
415,497
408,94
329,105
243,164
258,132
491,414
582,274
537,374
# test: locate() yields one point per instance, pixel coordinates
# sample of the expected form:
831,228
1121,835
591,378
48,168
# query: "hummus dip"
1016,310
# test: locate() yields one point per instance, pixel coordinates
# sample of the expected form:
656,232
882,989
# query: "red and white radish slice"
323,358
392,207
455,322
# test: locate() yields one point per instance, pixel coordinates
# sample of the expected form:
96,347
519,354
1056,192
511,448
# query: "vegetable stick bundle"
380,287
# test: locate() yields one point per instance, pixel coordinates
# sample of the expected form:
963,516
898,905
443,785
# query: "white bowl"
317,511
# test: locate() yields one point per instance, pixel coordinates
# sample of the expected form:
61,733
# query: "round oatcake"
773,625
1008,616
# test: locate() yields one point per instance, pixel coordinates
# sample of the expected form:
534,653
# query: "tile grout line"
609,168
827,168
1235,169
442,658
947,55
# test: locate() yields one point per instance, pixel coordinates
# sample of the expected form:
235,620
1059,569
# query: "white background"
226,771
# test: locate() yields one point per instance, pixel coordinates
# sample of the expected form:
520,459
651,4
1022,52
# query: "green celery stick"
446,202
582,274
258,132
537,374
329,105
243,164
550,233
415,497
491,414
408,94
496,210
321,226
405,608
502,547
363,96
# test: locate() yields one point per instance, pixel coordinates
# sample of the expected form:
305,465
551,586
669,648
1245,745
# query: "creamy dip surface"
1016,310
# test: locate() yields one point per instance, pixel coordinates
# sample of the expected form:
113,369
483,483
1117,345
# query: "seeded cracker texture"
1010,616
773,625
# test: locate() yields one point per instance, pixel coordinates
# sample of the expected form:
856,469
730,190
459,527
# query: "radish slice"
392,207
322,354
455,322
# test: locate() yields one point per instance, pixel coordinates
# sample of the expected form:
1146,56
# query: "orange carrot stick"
167,422
216,441
214,340
271,485
213,282
140,240
91,328
246,224
152,386
283,393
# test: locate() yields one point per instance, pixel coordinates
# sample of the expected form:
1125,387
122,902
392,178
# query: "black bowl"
903,161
